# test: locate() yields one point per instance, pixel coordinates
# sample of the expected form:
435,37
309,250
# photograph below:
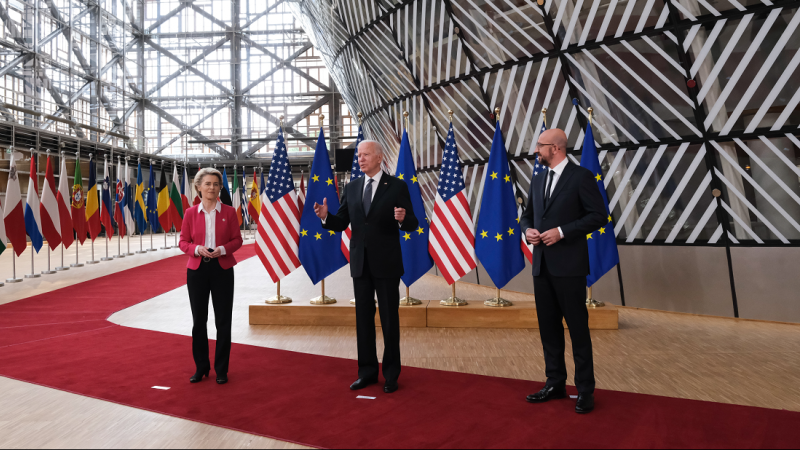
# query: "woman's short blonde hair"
198,179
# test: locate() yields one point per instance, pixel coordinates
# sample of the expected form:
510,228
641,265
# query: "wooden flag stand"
590,302
323,299
279,299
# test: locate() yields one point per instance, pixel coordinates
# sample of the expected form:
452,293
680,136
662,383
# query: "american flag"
452,239
527,249
278,237
355,174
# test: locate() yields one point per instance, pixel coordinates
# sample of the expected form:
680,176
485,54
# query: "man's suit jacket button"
544,218
367,224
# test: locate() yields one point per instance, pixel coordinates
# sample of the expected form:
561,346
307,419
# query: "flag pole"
48,271
590,301
108,238
453,300
78,241
93,261
278,299
127,231
63,266
166,232
152,244
119,233
13,278
322,299
33,273
498,302
141,232
408,300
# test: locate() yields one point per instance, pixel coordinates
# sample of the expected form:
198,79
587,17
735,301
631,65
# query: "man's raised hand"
321,210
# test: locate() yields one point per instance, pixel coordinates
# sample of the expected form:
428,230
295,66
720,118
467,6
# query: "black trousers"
366,287
211,279
557,298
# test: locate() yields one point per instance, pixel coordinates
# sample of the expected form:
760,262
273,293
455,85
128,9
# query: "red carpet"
304,398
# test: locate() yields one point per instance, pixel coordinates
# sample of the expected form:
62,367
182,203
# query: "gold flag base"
278,300
453,301
498,303
592,303
323,300
410,301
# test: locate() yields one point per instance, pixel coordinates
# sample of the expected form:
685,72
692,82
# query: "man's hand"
217,253
399,214
321,210
551,237
533,236
204,253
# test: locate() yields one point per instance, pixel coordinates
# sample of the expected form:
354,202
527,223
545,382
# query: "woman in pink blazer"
210,235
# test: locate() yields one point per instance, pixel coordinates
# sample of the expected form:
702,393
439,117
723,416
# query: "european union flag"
152,200
320,249
225,194
603,254
497,243
417,260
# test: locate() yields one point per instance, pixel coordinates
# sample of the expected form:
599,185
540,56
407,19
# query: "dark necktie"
367,200
550,176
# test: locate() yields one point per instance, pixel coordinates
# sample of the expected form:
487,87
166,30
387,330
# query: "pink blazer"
193,234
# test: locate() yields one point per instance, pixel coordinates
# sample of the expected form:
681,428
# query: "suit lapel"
542,186
562,181
381,188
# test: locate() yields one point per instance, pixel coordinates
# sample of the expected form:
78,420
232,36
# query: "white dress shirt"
557,170
211,228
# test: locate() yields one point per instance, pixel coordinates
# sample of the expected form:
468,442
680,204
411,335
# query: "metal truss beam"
183,127
287,127
208,16
193,126
187,66
262,14
280,65
288,66
166,17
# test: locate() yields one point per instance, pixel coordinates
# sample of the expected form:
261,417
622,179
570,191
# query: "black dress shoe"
222,379
585,403
547,394
390,387
198,377
361,383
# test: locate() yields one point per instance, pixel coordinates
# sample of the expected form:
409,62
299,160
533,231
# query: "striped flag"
48,209
254,204
13,212
301,193
236,196
186,190
175,201
33,222
355,174
452,236
130,223
92,203
278,236
78,204
65,205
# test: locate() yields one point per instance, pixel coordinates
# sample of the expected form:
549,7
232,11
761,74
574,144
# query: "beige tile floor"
722,360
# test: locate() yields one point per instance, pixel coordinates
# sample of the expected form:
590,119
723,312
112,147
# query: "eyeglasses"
540,145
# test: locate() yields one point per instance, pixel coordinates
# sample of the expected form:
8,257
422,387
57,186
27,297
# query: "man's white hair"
378,146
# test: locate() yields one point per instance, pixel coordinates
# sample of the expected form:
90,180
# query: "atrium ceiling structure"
695,101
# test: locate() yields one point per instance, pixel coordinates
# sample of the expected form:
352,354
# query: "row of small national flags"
290,235
60,216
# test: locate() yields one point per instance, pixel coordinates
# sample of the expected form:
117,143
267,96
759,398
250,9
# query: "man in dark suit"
378,206
564,206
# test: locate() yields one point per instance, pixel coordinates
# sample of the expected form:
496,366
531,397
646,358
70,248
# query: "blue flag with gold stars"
603,254
498,235
417,260
320,249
